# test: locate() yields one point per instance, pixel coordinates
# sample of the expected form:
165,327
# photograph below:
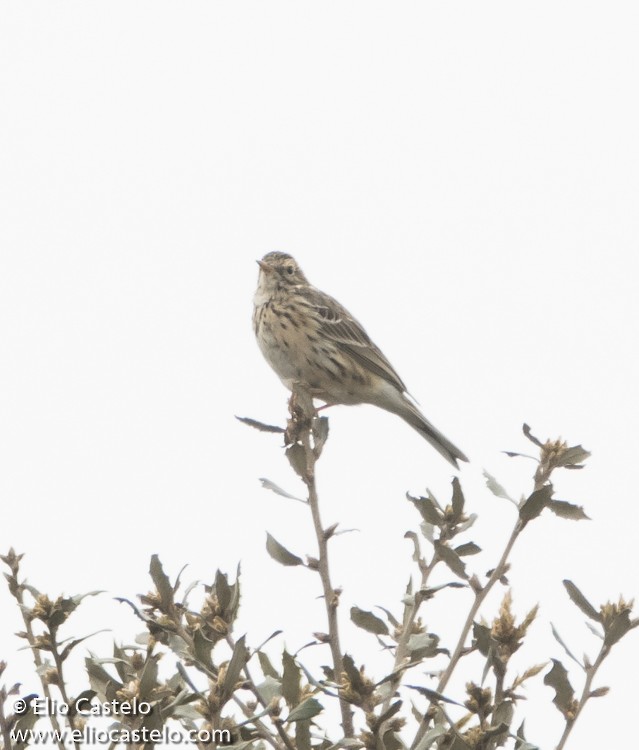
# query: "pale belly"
300,357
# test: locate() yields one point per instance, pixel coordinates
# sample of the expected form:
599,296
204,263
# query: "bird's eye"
290,270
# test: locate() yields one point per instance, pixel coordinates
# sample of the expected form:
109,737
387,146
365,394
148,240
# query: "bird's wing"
338,325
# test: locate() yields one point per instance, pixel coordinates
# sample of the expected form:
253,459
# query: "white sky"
464,177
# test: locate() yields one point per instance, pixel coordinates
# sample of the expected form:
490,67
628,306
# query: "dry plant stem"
585,695
407,626
61,686
39,664
480,596
330,595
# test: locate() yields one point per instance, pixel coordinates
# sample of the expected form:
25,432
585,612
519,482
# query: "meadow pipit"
308,337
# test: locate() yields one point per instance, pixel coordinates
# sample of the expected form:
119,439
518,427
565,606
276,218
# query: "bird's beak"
264,266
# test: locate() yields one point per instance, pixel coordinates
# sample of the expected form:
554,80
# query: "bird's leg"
321,408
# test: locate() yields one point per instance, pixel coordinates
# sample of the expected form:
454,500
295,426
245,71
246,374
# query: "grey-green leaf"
235,666
429,738
291,679
306,710
557,678
496,488
161,581
260,425
297,458
469,548
573,456
427,509
537,501
580,600
452,559
568,510
368,621
563,645
268,485
267,667
280,554
457,500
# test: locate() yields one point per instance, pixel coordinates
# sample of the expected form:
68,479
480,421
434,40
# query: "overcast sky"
463,176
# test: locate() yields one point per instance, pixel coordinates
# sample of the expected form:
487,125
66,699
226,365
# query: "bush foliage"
226,690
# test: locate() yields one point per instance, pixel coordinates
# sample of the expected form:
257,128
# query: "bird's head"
280,269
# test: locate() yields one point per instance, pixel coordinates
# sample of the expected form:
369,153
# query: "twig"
300,402
480,596
401,651
17,590
585,694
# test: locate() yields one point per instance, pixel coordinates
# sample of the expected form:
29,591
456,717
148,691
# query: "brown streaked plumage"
308,337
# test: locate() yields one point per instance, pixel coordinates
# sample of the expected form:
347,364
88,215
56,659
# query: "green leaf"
269,688
306,710
391,618
422,646
268,485
291,679
482,638
531,437
557,679
580,600
222,589
235,666
353,674
267,667
521,743
617,628
458,500
503,714
433,695
390,712
280,554
297,458
148,678
161,582
320,434
368,621
563,645
201,647
573,456
390,741
469,548
496,488
260,425
452,559
431,735
533,506
104,684
427,509
568,510
465,525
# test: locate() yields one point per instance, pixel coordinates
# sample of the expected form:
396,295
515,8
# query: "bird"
307,337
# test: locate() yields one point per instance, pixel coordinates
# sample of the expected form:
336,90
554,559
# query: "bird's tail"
411,414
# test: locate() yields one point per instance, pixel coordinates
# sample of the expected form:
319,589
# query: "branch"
480,596
299,431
